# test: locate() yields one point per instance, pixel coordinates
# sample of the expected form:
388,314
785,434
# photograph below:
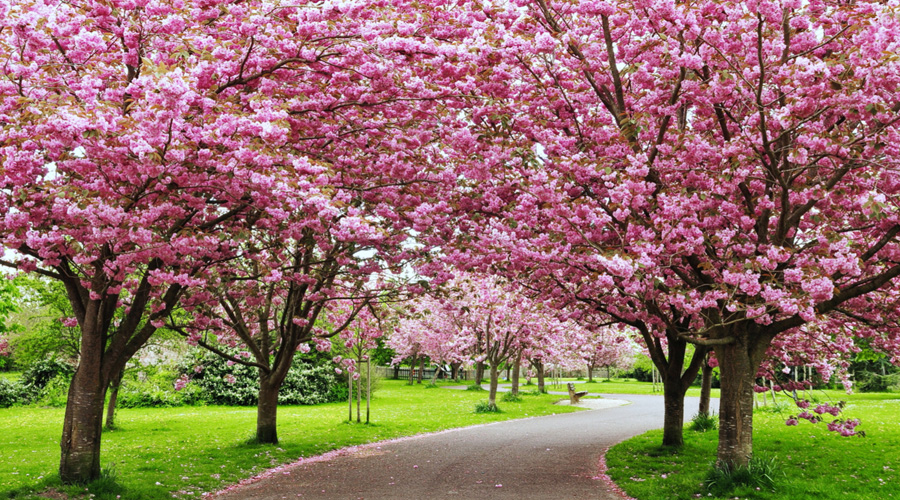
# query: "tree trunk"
358,397
673,417
368,388
421,370
539,367
737,372
675,379
350,397
590,374
479,372
492,395
397,371
267,411
705,387
517,368
412,369
608,376
82,426
455,368
113,397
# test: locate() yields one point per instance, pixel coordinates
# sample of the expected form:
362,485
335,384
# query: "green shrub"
55,392
486,407
153,387
759,473
874,382
305,384
310,385
40,373
11,393
475,387
703,422
151,397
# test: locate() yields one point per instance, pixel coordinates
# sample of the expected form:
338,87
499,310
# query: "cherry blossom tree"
605,347
427,328
714,173
140,143
126,164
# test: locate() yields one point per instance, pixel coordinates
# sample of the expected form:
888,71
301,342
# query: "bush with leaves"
237,384
152,387
38,375
11,393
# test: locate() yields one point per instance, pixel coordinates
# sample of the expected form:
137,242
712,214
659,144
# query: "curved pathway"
552,457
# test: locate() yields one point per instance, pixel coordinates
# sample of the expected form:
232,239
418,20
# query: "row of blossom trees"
480,319
237,164
715,173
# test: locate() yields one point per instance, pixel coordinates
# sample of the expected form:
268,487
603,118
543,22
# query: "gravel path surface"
552,457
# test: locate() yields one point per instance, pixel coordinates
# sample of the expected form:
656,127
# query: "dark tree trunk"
113,398
267,411
358,396
421,370
455,368
705,386
412,370
479,372
82,426
397,372
737,370
516,369
495,379
590,374
676,380
673,417
539,368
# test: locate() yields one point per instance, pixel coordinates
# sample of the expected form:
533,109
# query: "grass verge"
812,462
185,451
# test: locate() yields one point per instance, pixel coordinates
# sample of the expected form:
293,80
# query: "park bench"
575,396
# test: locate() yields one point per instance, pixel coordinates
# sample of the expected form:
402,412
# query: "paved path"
552,457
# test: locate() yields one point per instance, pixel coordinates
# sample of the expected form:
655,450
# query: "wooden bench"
575,396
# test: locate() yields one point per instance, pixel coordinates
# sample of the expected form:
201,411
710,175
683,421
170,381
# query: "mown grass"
158,453
812,462
621,386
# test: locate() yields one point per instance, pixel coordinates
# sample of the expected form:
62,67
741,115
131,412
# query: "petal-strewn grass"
812,462
186,451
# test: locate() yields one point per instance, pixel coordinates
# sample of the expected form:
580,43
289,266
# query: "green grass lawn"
186,451
813,463
619,386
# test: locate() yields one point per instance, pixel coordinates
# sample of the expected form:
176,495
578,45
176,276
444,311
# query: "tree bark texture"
82,426
495,380
517,368
539,368
705,387
412,369
113,398
267,411
738,364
